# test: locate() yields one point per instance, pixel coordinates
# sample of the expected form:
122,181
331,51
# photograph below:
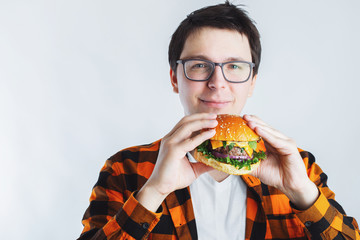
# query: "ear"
174,81
252,85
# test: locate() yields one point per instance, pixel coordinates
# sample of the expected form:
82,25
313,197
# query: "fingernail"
212,131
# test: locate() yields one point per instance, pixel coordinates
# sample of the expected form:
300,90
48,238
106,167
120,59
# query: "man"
158,191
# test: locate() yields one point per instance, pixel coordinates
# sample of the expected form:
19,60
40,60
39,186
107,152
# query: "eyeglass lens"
201,70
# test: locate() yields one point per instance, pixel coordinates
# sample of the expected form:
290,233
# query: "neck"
218,175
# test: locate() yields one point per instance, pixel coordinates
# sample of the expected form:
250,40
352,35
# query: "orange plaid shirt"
114,213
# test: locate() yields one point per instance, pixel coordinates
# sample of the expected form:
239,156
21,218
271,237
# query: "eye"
196,65
199,65
235,66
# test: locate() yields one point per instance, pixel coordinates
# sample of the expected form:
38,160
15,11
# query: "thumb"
200,168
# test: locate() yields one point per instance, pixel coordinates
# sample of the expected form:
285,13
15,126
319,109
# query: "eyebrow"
228,59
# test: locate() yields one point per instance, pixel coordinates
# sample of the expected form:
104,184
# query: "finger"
269,129
281,145
190,144
253,118
253,123
189,129
268,136
191,118
269,148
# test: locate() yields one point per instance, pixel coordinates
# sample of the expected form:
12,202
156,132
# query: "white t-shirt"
219,207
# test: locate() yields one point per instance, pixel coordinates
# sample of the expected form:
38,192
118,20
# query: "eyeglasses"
202,70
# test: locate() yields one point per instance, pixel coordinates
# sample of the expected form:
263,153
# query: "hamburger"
234,149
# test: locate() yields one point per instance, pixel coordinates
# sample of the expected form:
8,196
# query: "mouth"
215,103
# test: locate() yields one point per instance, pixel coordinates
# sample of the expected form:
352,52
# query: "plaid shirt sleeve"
114,213
325,219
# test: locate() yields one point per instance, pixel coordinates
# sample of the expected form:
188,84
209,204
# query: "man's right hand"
172,169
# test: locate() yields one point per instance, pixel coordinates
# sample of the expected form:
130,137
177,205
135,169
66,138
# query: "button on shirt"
219,207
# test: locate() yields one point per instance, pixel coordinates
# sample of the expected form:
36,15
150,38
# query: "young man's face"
215,95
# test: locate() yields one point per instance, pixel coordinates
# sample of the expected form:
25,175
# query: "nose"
217,80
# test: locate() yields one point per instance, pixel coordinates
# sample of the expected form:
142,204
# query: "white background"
80,80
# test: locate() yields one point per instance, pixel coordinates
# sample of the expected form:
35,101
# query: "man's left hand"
283,168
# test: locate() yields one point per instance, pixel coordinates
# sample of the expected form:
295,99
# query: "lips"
215,103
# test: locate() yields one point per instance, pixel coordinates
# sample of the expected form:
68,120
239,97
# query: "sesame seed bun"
233,128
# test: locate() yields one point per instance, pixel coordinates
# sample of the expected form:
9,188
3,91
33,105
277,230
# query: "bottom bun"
224,167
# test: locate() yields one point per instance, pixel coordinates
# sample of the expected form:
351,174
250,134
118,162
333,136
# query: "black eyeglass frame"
214,64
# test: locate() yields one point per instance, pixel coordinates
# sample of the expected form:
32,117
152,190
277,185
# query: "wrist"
150,198
303,197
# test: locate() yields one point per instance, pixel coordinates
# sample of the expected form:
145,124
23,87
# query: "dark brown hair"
222,16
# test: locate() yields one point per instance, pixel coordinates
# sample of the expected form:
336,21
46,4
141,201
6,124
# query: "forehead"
217,45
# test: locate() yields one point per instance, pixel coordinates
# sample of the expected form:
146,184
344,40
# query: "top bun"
233,128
